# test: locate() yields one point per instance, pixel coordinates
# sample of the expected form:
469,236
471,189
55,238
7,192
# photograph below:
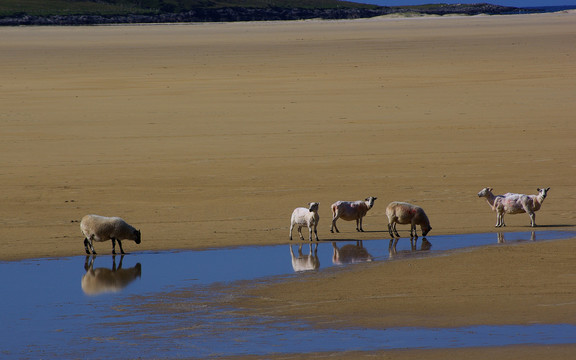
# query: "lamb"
351,210
306,217
404,213
511,203
101,228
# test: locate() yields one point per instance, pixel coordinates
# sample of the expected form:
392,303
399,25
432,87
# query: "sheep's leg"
334,227
88,242
395,231
532,219
500,220
390,230
413,232
120,244
291,227
300,232
315,233
114,246
359,225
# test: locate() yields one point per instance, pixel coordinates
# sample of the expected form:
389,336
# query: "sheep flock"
99,228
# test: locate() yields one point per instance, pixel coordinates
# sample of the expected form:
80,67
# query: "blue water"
47,313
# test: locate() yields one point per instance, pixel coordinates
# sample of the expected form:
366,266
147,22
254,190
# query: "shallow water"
94,307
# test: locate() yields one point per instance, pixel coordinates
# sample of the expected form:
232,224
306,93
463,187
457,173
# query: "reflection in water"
305,262
501,239
350,254
104,280
425,246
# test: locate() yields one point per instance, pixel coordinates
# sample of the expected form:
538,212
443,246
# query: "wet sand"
209,135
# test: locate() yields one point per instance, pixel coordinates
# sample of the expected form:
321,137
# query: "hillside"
88,12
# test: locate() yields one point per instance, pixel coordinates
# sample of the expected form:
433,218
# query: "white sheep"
404,213
351,210
101,228
305,217
511,203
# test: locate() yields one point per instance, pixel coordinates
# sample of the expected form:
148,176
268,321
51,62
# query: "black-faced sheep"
101,228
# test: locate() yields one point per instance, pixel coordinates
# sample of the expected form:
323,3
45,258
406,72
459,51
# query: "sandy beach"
209,135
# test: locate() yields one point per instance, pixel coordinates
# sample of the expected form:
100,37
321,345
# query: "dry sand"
208,135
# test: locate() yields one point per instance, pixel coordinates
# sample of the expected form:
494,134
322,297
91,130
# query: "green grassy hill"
122,7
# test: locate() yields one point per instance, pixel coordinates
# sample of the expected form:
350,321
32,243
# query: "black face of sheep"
426,231
138,236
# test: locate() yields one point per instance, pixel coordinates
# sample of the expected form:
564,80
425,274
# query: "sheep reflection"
393,253
502,240
305,262
103,280
350,254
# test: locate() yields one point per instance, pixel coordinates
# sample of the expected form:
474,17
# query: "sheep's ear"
547,188
537,189
490,189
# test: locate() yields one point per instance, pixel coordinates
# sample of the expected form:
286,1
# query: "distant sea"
549,9
529,4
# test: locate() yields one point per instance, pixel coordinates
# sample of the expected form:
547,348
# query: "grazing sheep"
305,217
350,254
511,203
103,280
404,213
305,262
351,210
101,228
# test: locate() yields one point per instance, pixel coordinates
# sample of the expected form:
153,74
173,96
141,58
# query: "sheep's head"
425,230
370,201
543,192
137,236
313,207
485,192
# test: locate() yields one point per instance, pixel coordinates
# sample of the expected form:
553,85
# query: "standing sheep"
511,203
351,210
404,213
305,217
101,228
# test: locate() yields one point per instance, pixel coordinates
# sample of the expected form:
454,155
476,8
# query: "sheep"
404,213
103,280
101,228
305,262
511,203
351,210
305,217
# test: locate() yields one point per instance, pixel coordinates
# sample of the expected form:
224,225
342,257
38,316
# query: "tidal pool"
104,306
